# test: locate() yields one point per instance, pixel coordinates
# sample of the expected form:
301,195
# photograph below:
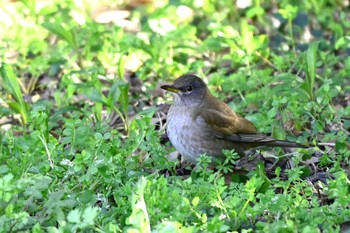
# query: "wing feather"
223,124
233,127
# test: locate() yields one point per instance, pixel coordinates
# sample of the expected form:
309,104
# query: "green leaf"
121,67
62,32
139,220
11,84
195,201
311,68
96,96
4,169
124,97
74,216
272,113
255,11
15,106
215,44
5,111
247,37
342,42
10,81
289,13
279,133
260,169
89,215
114,93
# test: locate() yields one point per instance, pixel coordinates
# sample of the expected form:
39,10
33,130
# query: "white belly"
186,136
192,138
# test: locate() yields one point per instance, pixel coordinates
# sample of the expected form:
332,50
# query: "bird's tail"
257,140
283,143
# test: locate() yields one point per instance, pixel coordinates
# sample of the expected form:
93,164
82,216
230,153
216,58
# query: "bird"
199,123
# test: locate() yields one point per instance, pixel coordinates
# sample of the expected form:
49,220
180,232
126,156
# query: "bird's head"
189,90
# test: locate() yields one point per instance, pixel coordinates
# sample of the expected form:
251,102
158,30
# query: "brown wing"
223,124
235,128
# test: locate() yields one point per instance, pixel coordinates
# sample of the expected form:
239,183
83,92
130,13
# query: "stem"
73,140
222,204
290,25
47,151
124,120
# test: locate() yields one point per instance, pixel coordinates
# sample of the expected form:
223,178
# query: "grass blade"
11,84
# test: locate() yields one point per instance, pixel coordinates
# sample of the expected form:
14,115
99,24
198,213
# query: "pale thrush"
199,123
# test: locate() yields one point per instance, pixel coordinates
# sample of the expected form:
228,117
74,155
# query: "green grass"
82,114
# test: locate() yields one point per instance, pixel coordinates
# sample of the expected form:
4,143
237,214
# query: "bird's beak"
170,88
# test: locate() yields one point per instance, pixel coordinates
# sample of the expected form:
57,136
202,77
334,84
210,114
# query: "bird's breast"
190,137
180,132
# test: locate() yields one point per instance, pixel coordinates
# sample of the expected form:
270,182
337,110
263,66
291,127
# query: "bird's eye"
189,89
